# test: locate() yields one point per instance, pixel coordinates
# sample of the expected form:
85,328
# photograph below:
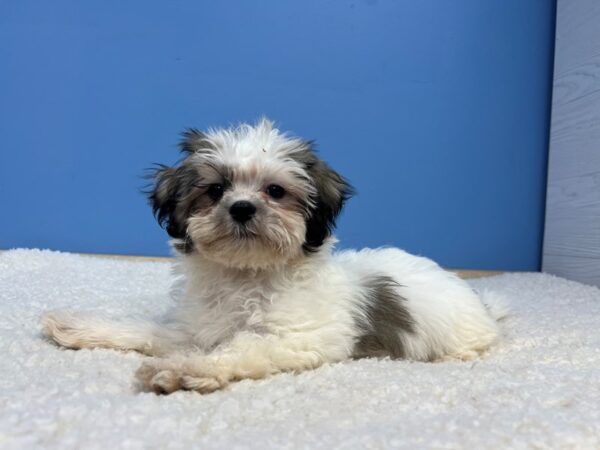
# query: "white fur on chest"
308,297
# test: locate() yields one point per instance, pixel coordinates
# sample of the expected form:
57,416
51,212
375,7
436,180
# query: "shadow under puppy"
250,210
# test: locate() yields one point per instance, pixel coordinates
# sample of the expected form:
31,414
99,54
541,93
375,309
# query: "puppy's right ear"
171,185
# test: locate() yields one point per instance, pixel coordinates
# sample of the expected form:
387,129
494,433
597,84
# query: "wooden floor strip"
467,273
463,273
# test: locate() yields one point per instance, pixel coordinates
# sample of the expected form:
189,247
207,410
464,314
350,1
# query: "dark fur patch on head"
386,320
194,140
332,191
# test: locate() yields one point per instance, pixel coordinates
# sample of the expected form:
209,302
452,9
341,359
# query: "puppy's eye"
275,191
215,191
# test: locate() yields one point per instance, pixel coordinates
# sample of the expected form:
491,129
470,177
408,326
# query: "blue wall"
437,111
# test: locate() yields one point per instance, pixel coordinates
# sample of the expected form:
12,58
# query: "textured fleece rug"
538,388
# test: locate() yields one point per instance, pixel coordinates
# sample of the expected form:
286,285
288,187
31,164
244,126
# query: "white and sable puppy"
260,289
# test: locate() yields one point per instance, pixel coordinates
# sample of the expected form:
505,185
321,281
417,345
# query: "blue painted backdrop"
437,111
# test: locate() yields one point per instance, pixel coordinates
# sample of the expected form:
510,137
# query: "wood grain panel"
569,237
572,231
584,270
576,33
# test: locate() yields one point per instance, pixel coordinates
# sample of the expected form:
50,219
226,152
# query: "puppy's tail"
495,303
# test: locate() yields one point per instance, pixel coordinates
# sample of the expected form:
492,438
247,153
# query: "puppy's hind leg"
84,330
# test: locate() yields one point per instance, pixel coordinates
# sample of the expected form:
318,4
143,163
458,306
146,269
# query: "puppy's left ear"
332,192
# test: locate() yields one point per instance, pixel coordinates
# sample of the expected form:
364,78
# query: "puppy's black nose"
242,211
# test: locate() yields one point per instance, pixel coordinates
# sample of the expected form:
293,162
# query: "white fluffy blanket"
539,388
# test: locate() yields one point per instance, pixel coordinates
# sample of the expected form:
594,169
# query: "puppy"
250,211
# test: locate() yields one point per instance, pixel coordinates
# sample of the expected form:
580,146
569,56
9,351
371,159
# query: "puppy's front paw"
202,384
165,377
156,377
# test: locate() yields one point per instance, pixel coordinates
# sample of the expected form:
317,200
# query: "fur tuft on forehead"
244,144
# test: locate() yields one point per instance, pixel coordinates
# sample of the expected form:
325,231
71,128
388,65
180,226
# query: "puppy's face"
248,197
